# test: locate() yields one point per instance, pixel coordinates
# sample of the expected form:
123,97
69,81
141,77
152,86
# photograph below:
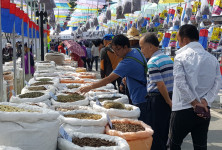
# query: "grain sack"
67,100
123,111
140,140
120,144
56,57
23,120
9,148
76,121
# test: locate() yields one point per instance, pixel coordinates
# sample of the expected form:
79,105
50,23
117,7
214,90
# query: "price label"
13,93
109,121
64,134
53,96
26,83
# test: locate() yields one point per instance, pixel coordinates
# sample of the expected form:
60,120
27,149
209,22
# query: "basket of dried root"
136,133
82,141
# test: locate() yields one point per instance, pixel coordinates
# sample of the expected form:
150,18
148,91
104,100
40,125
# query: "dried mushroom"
84,116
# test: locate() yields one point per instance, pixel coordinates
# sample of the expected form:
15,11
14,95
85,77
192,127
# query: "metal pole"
33,49
14,59
42,34
36,51
23,52
29,64
1,68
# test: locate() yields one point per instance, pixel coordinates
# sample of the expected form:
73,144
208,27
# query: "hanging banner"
203,37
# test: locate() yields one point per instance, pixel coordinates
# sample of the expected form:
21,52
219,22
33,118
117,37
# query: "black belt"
155,94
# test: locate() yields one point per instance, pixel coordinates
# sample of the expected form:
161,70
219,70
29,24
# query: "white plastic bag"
204,9
136,5
156,18
177,21
69,108
170,23
118,113
127,7
96,92
189,10
198,17
29,130
165,24
119,11
185,19
121,144
108,13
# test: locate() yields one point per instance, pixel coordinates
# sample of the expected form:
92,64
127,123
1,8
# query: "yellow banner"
170,1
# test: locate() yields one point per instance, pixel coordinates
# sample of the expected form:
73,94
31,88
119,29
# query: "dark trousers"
143,111
96,60
159,119
84,60
186,121
88,61
118,81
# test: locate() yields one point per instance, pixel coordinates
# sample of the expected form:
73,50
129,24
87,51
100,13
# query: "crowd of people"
174,97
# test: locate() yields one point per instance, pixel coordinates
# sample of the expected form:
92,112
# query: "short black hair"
152,39
189,31
121,40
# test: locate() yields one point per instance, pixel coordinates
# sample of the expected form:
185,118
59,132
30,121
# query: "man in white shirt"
197,80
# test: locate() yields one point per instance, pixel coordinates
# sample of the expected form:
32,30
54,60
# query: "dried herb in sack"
42,83
92,142
73,86
38,88
44,80
84,116
31,95
116,105
70,98
126,127
6,108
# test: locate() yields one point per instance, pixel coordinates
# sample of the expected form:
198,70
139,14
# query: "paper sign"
64,134
27,83
53,96
109,121
13,93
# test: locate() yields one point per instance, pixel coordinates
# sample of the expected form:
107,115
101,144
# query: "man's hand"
121,88
169,102
124,81
84,89
203,103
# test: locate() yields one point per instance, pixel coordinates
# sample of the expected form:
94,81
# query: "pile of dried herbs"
126,127
92,142
31,95
70,98
116,105
42,83
84,116
37,88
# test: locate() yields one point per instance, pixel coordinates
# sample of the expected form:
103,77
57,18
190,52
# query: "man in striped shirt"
159,87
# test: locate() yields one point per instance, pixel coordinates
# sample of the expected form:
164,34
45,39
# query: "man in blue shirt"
133,67
159,88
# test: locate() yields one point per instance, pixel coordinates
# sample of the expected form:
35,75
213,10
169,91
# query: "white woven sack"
83,129
55,80
49,88
84,102
72,108
16,99
106,91
46,74
134,114
123,98
9,148
84,122
66,145
29,130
